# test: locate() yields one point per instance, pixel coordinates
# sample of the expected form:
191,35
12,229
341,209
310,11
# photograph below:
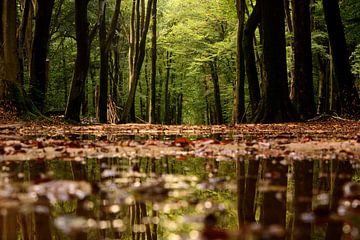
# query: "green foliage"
355,61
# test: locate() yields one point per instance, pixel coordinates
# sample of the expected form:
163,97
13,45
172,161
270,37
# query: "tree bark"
38,72
275,105
105,42
135,63
303,98
152,105
72,112
104,63
250,63
349,98
238,114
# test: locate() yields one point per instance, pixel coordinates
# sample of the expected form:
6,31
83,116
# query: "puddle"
169,198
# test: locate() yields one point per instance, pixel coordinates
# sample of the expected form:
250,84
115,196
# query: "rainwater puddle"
169,198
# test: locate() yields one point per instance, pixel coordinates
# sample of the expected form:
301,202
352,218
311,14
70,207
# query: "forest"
179,119
173,62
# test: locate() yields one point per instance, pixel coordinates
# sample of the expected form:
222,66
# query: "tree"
11,88
249,55
349,97
303,98
105,42
238,114
152,104
39,71
72,112
275,105
137,42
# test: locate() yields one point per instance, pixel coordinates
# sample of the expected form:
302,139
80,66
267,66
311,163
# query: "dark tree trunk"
179,109
349,98
152,105
104,63
275,105
238,114
22,33
215,80
250,63
303,97
72,112
38,72
167,94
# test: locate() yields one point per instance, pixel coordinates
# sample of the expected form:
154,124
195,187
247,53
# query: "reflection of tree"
42,218
303,174
342,172
246,187
274,191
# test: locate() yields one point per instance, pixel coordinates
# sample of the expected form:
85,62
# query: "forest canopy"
181,61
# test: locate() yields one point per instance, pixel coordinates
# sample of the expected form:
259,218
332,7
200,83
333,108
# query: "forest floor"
326,138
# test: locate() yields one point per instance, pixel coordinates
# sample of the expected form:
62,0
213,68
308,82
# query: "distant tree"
39,71
303,94
72,112
275,105
105,42
348,95
215,79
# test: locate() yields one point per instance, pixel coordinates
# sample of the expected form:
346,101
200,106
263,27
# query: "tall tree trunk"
72,112
215,80
38,72
136,61
104,63
303,97
275,105
167,94
238,114
105,42
22,34
250,63
11,85
349,98
152,105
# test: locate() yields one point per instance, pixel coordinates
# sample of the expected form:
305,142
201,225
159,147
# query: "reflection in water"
148,199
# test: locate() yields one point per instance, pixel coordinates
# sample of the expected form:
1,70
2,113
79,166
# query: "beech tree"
105,42
137,44
39,67
238,114
348,95
72,112
303,98
275,105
